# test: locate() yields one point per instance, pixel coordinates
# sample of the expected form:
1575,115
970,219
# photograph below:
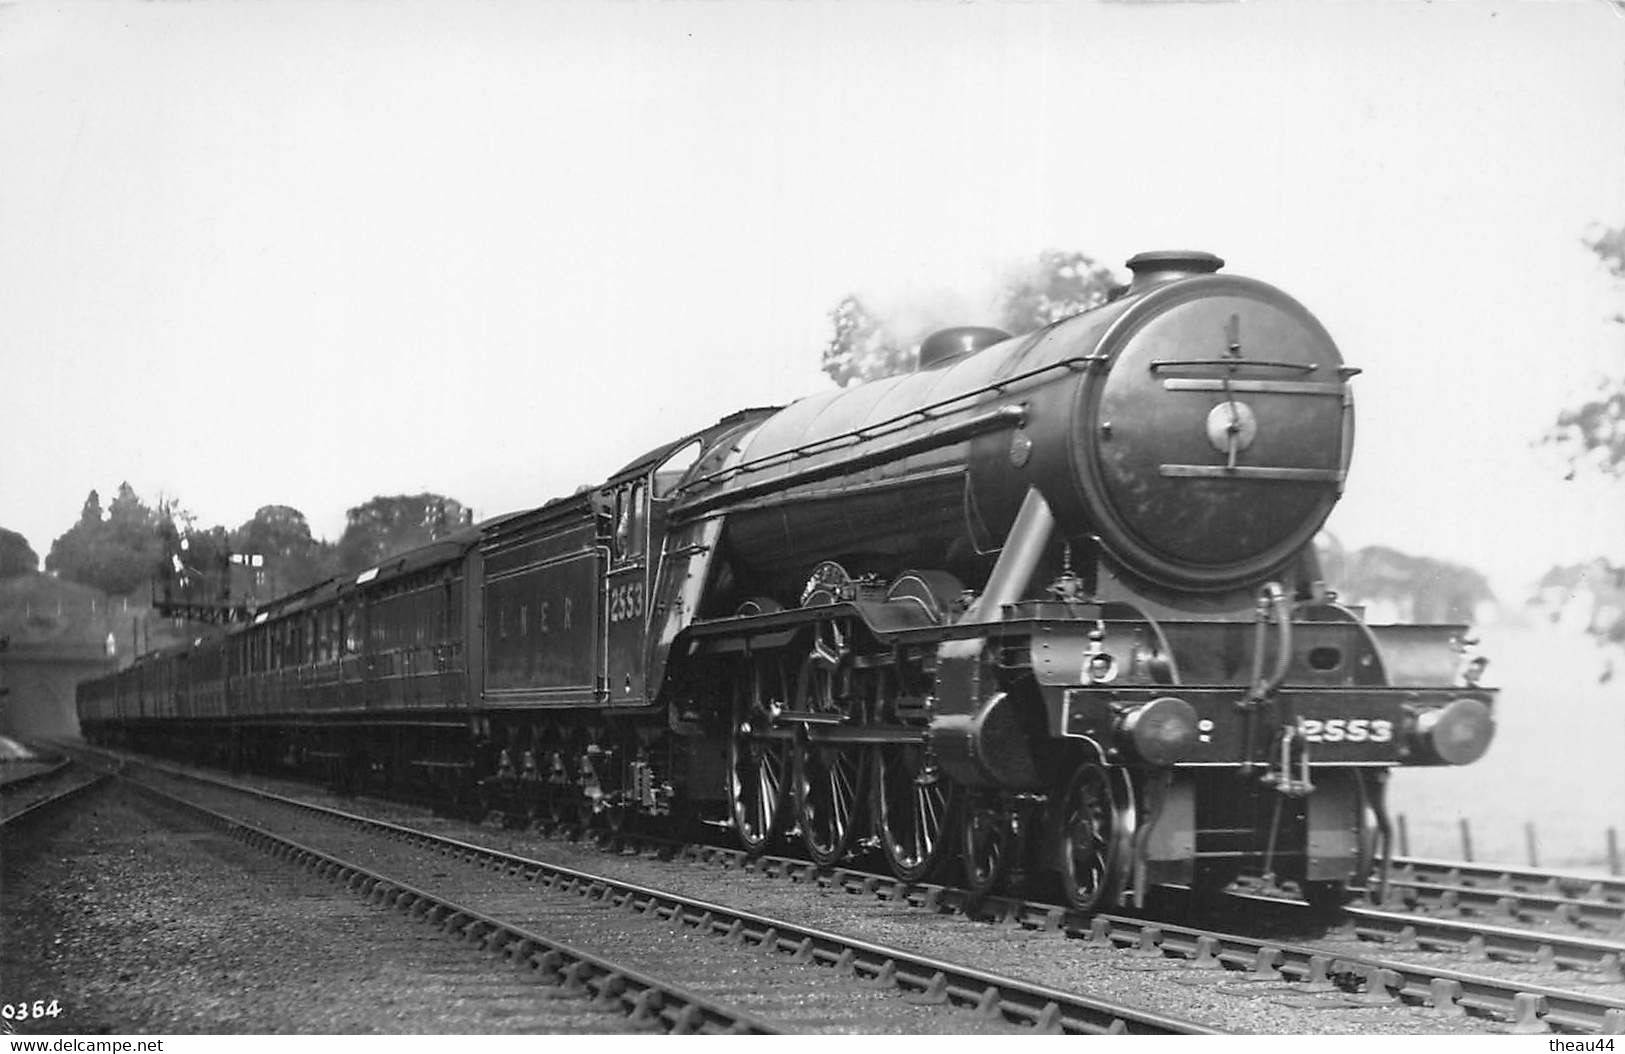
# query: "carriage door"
626,589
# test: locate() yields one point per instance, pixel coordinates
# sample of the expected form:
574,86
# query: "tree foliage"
1592,437
1056,285
17,557
385,526
116,551
1592,434
121,549
862,348
1591,594
292,558
194,562
1409,588
1609,245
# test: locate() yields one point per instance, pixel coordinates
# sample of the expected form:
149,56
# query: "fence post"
1529,840
1404,837
1466,839
1613,852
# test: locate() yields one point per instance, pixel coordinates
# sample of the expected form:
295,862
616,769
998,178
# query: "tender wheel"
1094,824
830,781
474,802
758,766
914,805
562,811
611,822
988,843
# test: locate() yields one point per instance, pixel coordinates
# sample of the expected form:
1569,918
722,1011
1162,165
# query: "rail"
1044,1008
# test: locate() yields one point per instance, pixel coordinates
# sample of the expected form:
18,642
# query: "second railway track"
43,791
1508,878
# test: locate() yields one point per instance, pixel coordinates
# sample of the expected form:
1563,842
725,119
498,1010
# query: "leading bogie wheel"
988,835
1093,826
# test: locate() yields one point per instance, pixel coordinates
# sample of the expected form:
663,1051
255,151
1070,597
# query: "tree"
17,557
1054,286
862,348
192,566
90,513
293,559
1591,594
1592,437
116,552
1409,588
1057,285
386,526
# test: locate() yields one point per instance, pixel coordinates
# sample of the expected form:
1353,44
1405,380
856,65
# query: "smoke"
912,314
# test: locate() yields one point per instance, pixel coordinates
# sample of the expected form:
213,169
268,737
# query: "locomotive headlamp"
1162,731
1470,665
1457,733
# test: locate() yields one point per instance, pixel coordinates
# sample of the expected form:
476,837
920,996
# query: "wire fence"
68,607
1505,844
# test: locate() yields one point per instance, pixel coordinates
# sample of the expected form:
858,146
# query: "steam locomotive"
1048,604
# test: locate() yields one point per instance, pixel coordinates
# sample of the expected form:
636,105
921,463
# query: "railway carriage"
1046,607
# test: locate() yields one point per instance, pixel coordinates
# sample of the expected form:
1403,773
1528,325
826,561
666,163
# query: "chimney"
1164,265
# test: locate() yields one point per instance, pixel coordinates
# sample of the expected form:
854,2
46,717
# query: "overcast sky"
304,253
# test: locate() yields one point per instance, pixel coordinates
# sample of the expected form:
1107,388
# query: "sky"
302,253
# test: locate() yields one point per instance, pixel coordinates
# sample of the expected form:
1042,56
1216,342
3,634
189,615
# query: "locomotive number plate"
1345,730
625,601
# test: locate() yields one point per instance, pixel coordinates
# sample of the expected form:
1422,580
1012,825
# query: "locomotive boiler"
1049,604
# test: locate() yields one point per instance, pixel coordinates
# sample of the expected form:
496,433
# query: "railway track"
605,910
1477,883
1373,960
1477,940
1366,953
40,793
1348,959
1583,914
1366,956
648,1003
13,778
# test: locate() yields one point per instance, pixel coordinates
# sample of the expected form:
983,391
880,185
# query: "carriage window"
671,471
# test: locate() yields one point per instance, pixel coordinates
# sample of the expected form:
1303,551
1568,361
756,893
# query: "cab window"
630,521
671,471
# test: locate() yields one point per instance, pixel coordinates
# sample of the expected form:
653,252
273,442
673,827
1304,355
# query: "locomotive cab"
639,501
